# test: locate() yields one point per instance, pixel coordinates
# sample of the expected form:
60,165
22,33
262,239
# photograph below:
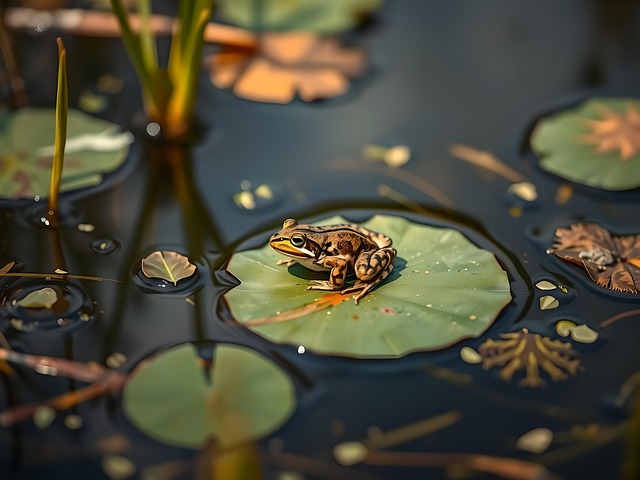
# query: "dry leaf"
287,63
548,302
168,265
7,268
535,441
545,285
584,334
531,353
564,327
611,261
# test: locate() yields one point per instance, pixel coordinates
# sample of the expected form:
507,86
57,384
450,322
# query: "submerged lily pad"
94,147
448,290
177,400
318,16
595,144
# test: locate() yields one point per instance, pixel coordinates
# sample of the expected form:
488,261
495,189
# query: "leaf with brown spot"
168,265
611,261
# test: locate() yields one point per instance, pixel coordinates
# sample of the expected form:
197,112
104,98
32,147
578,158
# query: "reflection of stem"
503,467
398,174
317,468
620,316
15,80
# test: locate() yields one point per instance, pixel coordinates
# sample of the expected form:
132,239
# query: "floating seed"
469,355
584,334
43,416
535,441
117,467
73,422
524,190
116,360
545,285
350,453
86,227
548,302
564,327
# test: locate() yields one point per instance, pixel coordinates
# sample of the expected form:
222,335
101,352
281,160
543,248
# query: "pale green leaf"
42,298
448,290
243,397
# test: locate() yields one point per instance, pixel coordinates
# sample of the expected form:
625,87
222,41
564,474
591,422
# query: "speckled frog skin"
340,249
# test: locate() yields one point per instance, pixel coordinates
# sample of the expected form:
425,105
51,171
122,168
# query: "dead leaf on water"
43,298
545,285
524,190
564,327
584,334
168,265
469,355
7,268
350,453
548,302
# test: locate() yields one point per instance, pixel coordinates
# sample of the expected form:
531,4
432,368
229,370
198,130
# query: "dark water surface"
476,73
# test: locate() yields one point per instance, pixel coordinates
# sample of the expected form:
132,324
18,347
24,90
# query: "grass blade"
147,36
62,107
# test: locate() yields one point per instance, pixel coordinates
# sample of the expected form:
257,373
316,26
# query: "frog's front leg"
371,268
338,266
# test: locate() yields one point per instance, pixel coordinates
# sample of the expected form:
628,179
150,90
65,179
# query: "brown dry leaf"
611,261
531,353
7,268
285,64
168,265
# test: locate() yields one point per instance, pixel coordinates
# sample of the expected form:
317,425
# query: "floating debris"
60,271
350,453
524,190
564,194
167,265
43,416
42,298
105,246
116,360
86,227
584,334
612,261
548,302
545,285
73,422
564,327
469,355
394,157
117,467
537,440
529,352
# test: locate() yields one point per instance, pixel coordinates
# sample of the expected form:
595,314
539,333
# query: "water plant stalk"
62,107
168,93
14,78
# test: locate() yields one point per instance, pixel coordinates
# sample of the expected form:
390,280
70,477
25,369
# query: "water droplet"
105,246
71,306
301,349
153,129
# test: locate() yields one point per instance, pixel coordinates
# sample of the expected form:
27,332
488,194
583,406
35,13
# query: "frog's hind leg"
371,269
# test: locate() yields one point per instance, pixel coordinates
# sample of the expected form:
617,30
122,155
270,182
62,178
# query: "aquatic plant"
168,93
62,107
530,352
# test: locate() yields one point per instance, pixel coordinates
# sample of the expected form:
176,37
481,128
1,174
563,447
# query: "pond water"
440,74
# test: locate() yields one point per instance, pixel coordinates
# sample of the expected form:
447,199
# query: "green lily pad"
448,290
242,397
595,144
94,147
320,16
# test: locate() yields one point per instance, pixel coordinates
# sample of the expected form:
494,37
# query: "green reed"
168,93
62,107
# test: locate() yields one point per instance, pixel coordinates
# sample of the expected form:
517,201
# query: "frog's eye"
298,240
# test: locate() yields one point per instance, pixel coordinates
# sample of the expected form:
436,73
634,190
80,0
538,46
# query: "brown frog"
339,249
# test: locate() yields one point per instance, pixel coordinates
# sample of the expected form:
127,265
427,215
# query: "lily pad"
317,16
175,399
595,144
94,147
418,307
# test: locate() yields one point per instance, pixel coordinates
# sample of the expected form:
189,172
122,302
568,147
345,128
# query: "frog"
339,249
